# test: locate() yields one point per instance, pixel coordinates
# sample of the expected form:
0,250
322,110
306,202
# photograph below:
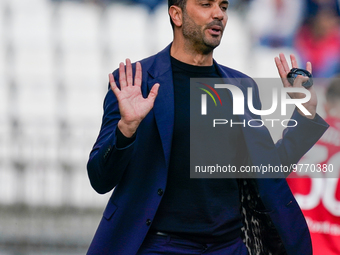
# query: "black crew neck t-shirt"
202,210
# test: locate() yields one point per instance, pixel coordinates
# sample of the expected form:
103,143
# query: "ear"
175,13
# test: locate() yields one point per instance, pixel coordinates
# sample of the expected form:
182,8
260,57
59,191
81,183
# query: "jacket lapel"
161,72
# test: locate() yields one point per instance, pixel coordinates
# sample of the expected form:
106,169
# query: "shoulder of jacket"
233,72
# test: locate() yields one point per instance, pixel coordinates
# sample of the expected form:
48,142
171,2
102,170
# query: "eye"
206,5
224,7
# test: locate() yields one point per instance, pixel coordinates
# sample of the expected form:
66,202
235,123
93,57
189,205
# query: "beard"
195,35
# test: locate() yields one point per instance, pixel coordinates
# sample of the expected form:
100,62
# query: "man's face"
204,22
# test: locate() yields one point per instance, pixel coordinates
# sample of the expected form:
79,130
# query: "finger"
299,80
122,77
309,67
293,60
113,84
284,63
282,72
280,68
138,75
129,72
153,92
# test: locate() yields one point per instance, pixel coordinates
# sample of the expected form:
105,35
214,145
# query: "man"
143,152
318,197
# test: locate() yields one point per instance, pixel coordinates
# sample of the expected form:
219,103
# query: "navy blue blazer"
138,173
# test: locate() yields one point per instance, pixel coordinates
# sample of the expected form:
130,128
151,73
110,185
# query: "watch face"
294,72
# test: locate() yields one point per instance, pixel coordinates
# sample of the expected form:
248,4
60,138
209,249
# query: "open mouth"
215,30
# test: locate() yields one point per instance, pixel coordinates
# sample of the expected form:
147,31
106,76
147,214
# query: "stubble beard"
196,38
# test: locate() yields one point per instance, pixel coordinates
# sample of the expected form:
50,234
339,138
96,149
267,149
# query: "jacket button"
148,222
160,192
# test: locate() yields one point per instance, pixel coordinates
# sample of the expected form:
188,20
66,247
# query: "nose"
218,13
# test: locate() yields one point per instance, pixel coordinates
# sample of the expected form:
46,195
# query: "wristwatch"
294,72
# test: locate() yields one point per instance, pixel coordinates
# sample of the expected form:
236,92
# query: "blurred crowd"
311,27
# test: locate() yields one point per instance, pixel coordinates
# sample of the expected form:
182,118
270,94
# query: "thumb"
154,92
300,79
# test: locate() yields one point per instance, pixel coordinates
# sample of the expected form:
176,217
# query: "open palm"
283,68
133,106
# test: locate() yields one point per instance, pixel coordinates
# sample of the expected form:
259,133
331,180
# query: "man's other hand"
283,68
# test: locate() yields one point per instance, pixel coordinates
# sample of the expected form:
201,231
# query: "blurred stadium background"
54,61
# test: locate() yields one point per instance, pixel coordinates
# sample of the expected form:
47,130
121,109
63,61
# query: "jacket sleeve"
107,163
297,140
299,136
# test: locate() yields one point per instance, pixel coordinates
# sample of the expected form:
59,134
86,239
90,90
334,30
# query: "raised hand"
133,106
283,68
